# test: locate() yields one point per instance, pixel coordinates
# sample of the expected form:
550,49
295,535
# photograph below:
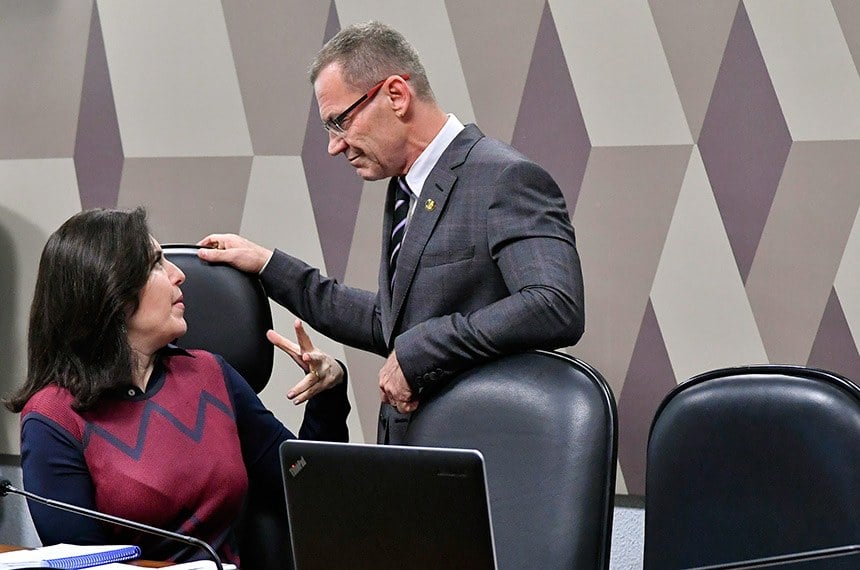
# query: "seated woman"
114,418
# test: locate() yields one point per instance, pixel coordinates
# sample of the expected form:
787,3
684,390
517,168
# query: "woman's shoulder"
54,404
49,399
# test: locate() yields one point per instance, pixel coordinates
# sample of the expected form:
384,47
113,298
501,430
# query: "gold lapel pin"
430,205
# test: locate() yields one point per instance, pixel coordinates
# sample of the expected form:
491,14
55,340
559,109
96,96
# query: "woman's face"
160,314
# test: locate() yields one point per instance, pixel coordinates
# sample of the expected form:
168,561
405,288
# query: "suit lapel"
428,211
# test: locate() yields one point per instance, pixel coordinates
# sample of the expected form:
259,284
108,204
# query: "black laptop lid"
380,507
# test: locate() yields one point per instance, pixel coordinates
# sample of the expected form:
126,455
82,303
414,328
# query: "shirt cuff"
265,265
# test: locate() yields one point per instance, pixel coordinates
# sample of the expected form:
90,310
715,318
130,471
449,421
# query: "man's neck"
427,123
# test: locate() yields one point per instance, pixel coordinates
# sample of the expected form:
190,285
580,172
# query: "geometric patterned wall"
709,152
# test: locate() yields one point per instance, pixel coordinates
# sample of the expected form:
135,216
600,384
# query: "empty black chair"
546,424
228,313
754,462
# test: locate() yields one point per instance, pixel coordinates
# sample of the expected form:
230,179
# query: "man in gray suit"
478,255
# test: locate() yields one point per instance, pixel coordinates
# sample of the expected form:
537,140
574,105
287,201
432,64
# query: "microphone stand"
6,487
805,556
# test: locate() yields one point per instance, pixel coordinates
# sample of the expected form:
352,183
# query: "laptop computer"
386,507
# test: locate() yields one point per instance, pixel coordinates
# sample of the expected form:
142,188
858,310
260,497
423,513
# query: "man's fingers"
305,343
401,406
310,386
286,345
222,241
209,241
298,391
393,387
393,396
235,250
214,255
283,342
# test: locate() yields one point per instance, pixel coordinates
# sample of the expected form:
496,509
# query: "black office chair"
546,424
754,462
228,313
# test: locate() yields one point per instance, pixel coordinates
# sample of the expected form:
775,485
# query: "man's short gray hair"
370,52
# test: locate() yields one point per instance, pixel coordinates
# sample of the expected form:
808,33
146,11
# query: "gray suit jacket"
488,266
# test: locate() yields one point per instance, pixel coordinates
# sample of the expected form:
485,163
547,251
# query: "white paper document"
67,556
197,565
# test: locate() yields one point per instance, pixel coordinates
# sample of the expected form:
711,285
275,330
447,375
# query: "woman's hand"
322,371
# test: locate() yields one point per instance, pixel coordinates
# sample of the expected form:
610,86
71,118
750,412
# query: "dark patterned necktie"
398,225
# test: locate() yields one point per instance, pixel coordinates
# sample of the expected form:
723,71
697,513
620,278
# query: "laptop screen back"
369,506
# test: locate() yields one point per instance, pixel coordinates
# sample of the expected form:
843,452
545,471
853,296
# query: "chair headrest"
227,312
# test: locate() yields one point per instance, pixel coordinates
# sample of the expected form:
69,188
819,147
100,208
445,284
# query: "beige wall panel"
622,217
363,271
848,12
278,213
363,267
173,77
427,27
694,36
36,197
364,375
620,483
698,296
495,40
802,245
847,281
274,42
809,62
43,47
620,73
186,198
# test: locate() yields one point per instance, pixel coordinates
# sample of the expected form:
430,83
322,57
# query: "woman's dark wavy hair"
90,277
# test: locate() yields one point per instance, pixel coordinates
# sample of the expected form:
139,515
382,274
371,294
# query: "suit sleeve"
345,314
532,243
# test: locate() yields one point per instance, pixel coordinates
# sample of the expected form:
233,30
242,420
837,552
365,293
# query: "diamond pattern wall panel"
708,151
744,146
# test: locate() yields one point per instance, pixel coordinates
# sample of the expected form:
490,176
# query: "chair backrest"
228,313
546,424
751,462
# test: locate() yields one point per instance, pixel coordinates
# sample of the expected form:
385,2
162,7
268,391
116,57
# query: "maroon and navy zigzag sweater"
174,457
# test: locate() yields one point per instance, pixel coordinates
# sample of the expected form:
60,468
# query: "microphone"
784,559
6,487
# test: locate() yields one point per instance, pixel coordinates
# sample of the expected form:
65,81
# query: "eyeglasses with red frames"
335,125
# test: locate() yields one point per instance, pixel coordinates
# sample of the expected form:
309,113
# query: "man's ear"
398,95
